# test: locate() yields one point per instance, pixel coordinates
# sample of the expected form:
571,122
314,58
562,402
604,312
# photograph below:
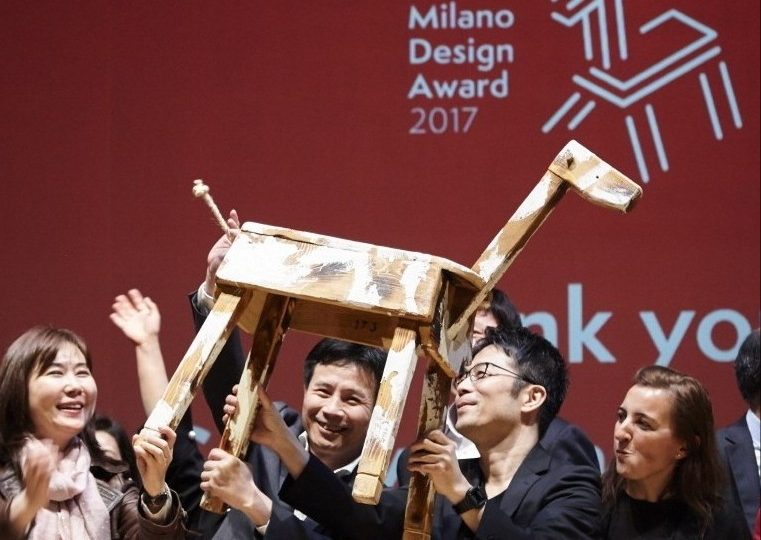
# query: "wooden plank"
574,167
594,179
419,514
384,423
273,314
352,245
507,245
366,281
343,323
448,353
198,359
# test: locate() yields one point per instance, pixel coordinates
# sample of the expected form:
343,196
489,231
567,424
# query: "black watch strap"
156,503
475,497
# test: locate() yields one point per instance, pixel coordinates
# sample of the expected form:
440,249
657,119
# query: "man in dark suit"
340,385
739,442
506,397
566,442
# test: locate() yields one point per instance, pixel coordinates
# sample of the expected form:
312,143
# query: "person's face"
483,320
108,444
646,448
338,403
488,401
62,397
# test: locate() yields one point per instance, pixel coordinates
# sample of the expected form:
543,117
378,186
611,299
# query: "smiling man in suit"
739,443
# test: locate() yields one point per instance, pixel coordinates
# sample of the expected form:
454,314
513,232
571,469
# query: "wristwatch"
156,503
474,498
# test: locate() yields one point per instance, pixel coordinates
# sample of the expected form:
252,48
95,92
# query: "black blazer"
541,502
566,442
736,447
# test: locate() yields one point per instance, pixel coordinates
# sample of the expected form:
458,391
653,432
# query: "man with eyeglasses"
566,442
506,397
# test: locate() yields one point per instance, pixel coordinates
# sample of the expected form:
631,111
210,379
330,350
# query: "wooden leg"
379,442
272,315
199,358
417,519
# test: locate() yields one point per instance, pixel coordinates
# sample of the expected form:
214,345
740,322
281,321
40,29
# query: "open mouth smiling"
330,428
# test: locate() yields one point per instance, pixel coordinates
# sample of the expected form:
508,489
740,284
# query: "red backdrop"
364,121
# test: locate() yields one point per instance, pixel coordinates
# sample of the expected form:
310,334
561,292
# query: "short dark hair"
747,370
537,361
334,351
499,305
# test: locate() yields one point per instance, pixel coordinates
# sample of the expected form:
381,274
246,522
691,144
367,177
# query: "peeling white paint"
487,268
160,416
363,290
411,278
382,429
535,200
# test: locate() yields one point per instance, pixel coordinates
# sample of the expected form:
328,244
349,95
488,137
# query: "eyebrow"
59,363
640,415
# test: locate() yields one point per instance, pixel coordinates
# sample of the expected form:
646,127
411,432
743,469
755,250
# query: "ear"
682,452
533,396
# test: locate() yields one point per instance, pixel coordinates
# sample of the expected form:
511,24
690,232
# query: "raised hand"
39,460
218,252
137,316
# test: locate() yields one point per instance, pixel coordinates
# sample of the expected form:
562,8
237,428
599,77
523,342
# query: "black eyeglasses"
481,371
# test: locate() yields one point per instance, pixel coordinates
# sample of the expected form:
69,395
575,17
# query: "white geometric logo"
633,94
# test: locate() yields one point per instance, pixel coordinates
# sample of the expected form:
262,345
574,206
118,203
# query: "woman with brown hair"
51,466
666,479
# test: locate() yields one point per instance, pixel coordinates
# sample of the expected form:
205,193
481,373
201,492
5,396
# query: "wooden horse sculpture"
274,279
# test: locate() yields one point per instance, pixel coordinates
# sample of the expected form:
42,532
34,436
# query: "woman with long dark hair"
666,479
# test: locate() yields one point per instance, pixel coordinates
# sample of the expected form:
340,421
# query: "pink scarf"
76,510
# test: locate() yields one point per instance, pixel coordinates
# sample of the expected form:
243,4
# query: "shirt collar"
754,426
465,447
348,468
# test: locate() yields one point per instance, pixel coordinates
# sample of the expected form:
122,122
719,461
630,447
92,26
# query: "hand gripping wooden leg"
417,519
384,423
199,358
269,316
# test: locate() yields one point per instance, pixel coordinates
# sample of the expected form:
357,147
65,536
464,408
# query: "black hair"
537,362
501,307
334,351
123,442
747,370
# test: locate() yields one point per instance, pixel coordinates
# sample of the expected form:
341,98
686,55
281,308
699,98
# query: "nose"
73,385
333,407
464,386
621,433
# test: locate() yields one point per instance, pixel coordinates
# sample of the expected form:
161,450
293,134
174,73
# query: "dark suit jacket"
736,447
566,442
542,501
265,466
